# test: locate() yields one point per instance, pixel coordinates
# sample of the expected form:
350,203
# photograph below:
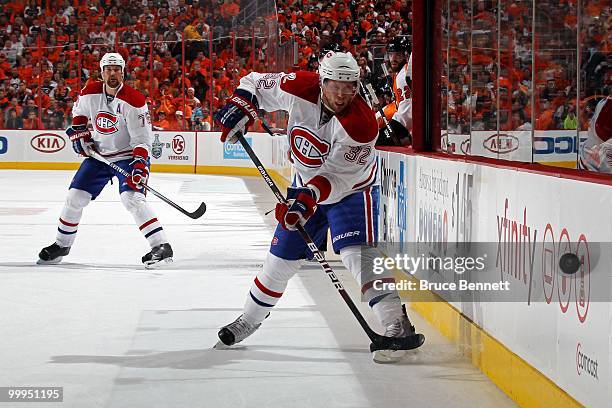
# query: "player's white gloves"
80,136
237,115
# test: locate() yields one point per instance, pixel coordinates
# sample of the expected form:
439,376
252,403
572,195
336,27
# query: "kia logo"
178,144
48,143
501,143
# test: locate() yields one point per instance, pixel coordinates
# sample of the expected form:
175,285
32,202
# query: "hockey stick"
378,342
195,215
373,100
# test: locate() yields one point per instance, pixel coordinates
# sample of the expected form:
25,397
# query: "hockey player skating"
331,133
399,111
122,134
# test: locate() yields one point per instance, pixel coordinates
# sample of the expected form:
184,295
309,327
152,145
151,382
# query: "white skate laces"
401,327
236,331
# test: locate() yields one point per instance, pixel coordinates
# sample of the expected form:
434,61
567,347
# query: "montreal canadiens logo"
307,148
106,123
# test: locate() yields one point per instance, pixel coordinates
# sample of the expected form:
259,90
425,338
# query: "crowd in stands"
473,80
50,49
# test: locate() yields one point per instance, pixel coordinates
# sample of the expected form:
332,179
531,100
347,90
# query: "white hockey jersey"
118,126
337,157
400,110
403,95
596,153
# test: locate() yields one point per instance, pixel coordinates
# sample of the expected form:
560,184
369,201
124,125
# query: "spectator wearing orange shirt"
545,121
31,122
229,9
162,123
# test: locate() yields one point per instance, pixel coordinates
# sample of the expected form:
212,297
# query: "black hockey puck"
569,263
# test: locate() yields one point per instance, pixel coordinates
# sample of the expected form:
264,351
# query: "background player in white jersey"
399,111
596,153
331,132
122,134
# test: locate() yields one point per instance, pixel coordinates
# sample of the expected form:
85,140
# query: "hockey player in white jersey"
331,132
122,134
596,153
399,111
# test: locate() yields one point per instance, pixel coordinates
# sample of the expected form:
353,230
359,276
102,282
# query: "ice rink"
114,334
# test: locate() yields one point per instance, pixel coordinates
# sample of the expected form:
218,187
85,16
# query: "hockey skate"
159,255
401,327
235,332
52,254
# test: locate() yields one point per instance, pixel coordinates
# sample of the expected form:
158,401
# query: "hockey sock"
384,302
144,216
268,287
71,216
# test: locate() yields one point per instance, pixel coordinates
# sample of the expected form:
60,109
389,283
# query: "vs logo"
106,123
178,144
307,148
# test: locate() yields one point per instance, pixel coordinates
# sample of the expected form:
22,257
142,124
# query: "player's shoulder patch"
303,84
131,96
92,88
359,121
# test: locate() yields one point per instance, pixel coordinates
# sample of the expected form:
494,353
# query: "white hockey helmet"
339,66
112,58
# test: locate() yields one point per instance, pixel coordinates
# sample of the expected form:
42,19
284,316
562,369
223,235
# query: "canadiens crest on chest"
106,123
307,147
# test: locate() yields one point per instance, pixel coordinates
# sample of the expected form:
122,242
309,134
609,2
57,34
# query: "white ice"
116,335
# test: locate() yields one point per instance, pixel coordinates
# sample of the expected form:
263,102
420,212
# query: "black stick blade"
397,343
197,213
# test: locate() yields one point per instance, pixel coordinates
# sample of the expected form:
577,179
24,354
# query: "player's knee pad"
77,199
133,201
279,270
359,260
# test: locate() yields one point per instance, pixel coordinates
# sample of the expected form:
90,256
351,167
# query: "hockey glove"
237,115
139,167
301,205
79,135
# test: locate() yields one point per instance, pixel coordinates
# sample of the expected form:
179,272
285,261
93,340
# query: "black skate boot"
235,332
52,254
160,253
401,327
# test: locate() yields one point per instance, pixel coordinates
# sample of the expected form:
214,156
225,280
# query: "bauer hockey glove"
81,139
237,115
139,169
301,205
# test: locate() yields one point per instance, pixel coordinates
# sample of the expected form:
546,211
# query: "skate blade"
221,346
388,356
51,262
159,264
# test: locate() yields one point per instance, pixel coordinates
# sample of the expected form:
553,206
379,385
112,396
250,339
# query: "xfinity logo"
585,363
345,235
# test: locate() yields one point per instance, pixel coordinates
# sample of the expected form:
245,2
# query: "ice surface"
116,335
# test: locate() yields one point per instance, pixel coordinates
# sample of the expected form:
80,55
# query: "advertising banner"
523,223
176,148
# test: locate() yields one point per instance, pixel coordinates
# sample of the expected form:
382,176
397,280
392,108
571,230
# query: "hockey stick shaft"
378,342
195,214
374,337
374,101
